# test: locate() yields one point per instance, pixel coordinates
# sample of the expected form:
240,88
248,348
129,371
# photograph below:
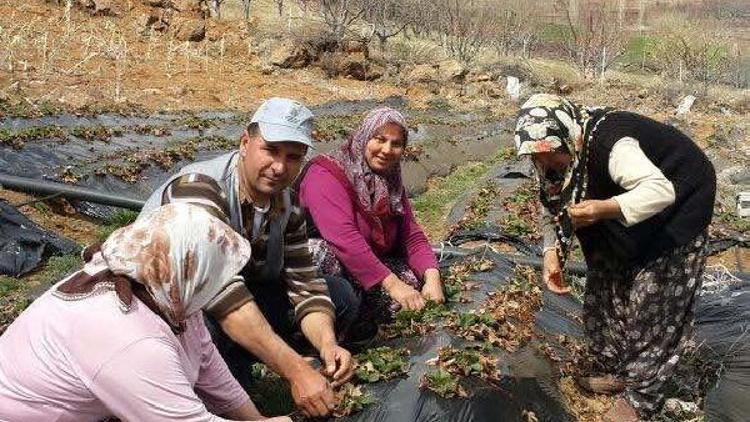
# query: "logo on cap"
294,112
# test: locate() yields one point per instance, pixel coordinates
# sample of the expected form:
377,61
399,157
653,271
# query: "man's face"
269,167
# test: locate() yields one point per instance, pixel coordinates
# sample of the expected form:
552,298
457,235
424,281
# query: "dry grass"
107,60
584,407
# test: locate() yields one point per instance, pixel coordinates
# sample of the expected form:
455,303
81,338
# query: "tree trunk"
641,13
246,9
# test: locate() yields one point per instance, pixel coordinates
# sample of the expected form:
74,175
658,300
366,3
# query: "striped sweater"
289,261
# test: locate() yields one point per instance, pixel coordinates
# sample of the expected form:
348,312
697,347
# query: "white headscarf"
181,253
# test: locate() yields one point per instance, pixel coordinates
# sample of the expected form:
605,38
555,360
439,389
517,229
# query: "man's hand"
586,213
338,364
433,288
408,297
552,273
312,393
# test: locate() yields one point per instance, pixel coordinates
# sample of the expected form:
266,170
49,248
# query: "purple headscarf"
379,196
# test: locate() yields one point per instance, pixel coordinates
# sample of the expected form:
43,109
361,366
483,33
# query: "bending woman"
124,337
367,231
639,196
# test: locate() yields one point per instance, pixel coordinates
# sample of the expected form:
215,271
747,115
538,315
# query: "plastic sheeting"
23,244
723,327
529,384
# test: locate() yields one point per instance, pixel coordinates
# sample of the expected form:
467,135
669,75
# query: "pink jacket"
348,231
86,360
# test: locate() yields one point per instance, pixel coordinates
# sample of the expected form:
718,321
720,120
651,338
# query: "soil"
103,71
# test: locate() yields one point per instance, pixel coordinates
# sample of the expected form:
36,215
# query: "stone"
192,6
356,66
513,88
98,7
267,69
156,3
354,46
156,20
479,77
472,90
288,56
683,410
422,73
193,30
685,105
451,70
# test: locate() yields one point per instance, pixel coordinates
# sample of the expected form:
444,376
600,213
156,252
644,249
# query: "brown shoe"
621,411
606,384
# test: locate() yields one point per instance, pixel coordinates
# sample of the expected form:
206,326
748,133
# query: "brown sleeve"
231,297
307,291
201,190
198,189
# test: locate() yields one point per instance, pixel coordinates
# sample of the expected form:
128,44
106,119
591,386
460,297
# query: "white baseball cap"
284,120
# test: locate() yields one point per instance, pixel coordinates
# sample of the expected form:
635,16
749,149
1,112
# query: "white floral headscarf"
548,123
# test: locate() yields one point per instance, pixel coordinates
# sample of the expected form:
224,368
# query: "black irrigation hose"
46,187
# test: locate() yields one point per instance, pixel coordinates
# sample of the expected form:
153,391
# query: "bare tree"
592,42
387,18
513,29
465,27
424,19
339,15
279,6
700,52
246,9
215,6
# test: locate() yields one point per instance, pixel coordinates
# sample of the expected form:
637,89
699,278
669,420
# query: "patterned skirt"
638,320
377,305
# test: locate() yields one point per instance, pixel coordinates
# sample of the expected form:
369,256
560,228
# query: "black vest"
681,161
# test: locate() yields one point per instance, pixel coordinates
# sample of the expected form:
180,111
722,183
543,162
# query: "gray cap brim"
281,133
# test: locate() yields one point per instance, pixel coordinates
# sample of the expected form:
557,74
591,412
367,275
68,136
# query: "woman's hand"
433,288
404,294
586,213
552,273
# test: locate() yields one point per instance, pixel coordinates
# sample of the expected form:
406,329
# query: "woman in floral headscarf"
367,230
638,195
124,337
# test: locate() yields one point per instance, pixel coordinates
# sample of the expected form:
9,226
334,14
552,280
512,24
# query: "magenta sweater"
348,231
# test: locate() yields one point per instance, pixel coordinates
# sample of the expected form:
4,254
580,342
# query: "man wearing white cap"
279,287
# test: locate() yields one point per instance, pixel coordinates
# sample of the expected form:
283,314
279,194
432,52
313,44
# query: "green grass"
115,221
20,107
431,207
14,291
555,33
739,224
639,49
59,266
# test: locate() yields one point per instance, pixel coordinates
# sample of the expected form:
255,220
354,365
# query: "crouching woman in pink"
124,336
366,228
